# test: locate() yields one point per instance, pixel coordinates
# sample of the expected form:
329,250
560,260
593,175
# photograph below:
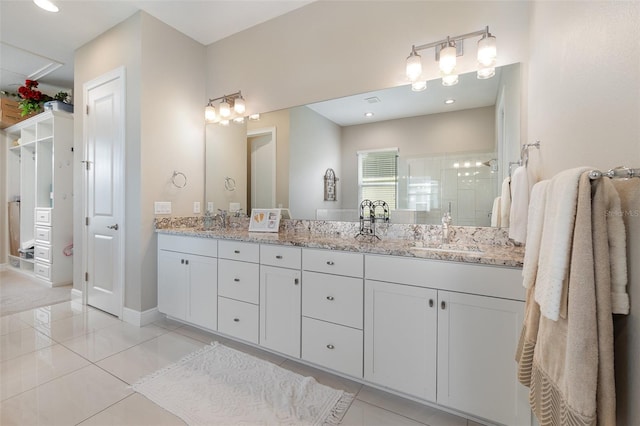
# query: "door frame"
274,142
115,74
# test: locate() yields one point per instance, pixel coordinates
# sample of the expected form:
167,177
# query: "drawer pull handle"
182,261
443,305
330,298
236,319
236,280
330,346
330,262
431,303
278,257
236,251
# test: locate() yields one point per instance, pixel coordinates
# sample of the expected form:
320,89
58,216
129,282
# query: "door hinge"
86,221
86,164
87,109
86,276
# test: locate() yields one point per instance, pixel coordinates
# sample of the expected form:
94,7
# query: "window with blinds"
378,176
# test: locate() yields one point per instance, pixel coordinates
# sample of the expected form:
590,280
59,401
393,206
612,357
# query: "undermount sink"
448,248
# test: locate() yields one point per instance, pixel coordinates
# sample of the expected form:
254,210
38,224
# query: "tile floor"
69,364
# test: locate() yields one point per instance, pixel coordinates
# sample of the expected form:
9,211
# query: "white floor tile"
22,342
201,335
66,400
258,353
134,410
167,323
47,314
35,368
363,414
77,325
143,359
11,324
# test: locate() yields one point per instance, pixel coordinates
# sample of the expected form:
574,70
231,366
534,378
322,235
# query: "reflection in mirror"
446,153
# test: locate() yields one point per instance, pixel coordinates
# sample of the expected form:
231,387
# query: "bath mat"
218,385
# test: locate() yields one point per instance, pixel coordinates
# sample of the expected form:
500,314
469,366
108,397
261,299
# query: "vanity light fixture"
254,117
449,101
46,5
231,107
446,52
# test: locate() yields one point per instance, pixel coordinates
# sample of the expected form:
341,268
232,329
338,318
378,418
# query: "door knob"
114,227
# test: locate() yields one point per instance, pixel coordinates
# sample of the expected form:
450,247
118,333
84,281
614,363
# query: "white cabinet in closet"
239,289
187,279
40,175
446,332
280,292
332,305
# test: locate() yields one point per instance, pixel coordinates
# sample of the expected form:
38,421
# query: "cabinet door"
280,309
477,337
203,291
173,284
400,338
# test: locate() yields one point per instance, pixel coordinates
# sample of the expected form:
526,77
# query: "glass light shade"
224,122
487,51
450,79
485,72
46,5
414,66
418,86
239,106
209,113
254,117
448,59
238,120
225,109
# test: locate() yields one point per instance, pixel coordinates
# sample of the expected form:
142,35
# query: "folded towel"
495,213
519,205
535,221
505,202
557,237
629,192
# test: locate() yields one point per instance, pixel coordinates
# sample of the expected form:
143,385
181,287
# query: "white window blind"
378,176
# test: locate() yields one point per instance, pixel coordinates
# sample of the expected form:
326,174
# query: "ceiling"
40,45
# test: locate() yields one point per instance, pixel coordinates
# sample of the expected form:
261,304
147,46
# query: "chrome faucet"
222,217
446,222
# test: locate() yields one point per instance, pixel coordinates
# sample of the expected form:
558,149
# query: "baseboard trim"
76,295
140,319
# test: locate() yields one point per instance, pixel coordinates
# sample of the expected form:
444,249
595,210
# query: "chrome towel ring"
229,183
181,179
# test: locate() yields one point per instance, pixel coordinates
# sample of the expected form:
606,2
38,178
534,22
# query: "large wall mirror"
419,151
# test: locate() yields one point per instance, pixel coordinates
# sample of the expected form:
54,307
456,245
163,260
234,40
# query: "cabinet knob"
330,346
186,262
443,305
236,319
329,297
182,261
236,251
431,303
296,281
278,256
329,262
236,280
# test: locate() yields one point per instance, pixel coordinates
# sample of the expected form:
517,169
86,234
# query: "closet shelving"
40,175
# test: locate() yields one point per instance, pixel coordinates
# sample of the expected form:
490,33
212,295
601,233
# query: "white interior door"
104,184
263,168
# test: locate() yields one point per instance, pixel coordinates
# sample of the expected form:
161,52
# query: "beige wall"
4,218
584,106
165,132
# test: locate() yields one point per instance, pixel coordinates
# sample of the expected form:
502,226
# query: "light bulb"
414,66
418,86
225,109
209,113
450,79
239,106
448,58
487,51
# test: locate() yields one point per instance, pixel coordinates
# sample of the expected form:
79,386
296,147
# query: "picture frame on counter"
265,220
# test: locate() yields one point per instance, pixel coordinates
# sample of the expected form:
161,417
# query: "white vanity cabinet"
280,292
187,279
332,306
446,332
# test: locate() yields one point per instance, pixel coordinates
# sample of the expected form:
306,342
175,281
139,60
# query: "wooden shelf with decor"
10,113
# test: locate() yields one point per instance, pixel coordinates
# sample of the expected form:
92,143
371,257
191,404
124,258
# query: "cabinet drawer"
333,346
193,245
42,253
284,257
43,234
239,280
42,270
238,319
333,262
237,250
333,298
43,216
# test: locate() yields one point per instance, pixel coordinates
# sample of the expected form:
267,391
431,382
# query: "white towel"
557,236
505,202
616,233
535,222
519,205
495,213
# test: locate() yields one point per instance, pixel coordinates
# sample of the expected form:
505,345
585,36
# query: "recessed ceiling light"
368,114
449,101
46,5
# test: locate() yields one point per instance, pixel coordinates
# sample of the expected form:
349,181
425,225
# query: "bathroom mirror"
448,154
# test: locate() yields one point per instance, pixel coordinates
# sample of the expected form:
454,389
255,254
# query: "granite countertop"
487,254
